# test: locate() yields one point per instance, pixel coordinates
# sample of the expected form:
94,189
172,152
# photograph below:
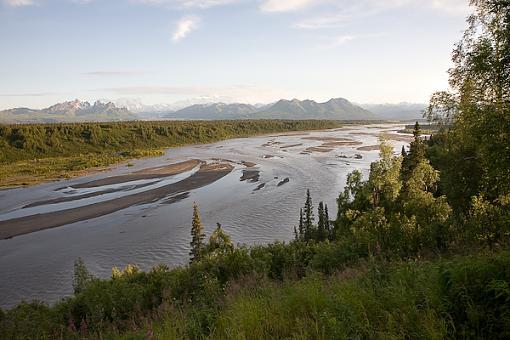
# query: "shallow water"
40,265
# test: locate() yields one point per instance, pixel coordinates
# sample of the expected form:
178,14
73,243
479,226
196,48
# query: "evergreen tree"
403,152
301,224
197,236
416,153
417,147
321,226
308,218
329,231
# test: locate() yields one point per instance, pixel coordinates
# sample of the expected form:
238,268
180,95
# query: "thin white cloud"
112,73
184,27
326,21
336,41
189,3
287,5
18,3
342,12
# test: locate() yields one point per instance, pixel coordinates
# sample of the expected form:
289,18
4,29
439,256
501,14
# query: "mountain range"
72,111
334,109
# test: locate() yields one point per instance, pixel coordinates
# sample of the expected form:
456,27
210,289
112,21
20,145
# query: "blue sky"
255,51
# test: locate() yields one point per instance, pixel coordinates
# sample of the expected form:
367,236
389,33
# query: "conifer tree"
197,236
329,231
301,229
321,226
417,147
415,155
308,218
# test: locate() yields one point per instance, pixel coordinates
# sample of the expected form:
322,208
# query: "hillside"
72,111
214,111
334,109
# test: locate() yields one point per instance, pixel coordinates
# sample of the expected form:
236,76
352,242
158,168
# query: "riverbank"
207,174
37,153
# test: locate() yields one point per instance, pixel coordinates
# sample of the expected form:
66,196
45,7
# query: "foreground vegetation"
36,152
284,291
419,249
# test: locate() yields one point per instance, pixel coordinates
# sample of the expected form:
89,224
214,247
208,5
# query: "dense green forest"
418,250
31,153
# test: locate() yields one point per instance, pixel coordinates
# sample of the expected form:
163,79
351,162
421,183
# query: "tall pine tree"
301,229
329,230
415,155
321,225
308,218
197,236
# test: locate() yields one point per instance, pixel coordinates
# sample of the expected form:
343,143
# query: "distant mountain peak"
69,111
335,109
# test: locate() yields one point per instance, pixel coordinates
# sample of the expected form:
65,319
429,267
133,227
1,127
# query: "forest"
418,250
32,153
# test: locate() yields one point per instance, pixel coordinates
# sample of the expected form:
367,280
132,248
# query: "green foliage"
415,156
197,236
473,156
309,228
35,152
219,242
81,277
489,222
384,180
394,217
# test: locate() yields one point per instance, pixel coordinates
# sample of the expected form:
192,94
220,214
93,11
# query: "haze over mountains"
334,109
400,111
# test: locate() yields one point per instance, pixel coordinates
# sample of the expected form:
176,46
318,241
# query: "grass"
462,297
30,172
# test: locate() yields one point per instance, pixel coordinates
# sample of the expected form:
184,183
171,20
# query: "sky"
252,51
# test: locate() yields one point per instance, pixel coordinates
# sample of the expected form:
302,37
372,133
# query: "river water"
39,265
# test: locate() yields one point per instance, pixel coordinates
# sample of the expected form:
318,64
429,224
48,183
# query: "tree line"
37,141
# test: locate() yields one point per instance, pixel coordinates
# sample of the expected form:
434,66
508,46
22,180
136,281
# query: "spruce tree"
329,230
417,147
308,218
197,236
415,155
403,152
321,226
301,224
